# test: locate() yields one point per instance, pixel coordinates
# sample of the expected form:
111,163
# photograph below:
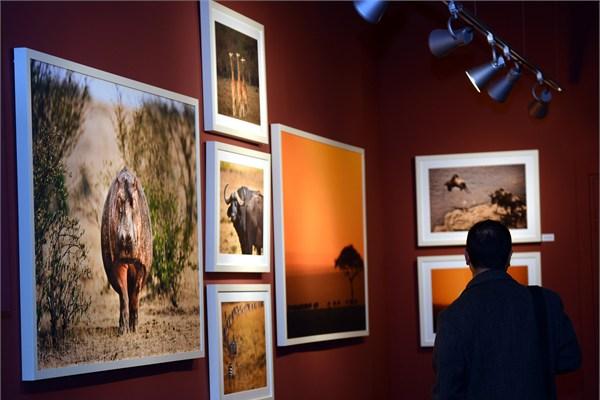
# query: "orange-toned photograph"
448,283
324,228
244,346
442,279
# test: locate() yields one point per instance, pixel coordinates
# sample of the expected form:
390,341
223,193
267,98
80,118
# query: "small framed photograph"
456,191
109,223
233,73
240,344
320,238
443,278
238,209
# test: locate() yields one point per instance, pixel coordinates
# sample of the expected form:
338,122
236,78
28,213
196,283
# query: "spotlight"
443,41
538,108
499,90
479,76
371,10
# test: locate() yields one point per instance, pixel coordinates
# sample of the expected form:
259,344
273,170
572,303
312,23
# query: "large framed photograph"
233,73
456,191
238,209
240,344
109,223
320,238
443,278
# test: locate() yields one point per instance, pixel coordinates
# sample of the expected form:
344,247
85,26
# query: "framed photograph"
238,209
233,73
240,344
320,238
443,278
456,191
109,224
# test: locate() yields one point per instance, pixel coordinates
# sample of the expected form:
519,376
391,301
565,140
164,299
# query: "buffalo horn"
227,200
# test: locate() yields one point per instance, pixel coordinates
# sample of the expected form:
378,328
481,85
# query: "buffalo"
245,211
126,240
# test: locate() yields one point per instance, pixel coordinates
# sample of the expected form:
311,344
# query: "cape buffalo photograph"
116,223
241,209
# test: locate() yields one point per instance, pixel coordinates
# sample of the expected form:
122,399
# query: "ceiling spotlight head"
538,108
480,76
443,41
499,90
371,10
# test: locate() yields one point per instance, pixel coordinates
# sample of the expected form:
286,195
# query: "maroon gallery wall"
319,79
427,106
374,86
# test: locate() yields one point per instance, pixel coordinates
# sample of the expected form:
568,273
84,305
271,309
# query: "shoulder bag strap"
541,319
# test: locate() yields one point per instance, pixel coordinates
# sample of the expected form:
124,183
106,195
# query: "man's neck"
477,271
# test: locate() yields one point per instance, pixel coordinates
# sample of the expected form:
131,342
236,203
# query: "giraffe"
234,97
243,91
238,85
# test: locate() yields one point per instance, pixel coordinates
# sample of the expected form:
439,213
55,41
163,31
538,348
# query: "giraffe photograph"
233,73
237,74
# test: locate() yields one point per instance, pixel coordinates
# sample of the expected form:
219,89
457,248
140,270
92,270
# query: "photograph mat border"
426,264
279,237
211,11
23,124
217,294
529,158
215,261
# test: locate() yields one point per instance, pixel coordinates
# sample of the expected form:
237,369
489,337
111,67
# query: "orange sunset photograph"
448,283
324,230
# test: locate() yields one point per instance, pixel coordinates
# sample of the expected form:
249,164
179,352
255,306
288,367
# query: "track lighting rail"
501,43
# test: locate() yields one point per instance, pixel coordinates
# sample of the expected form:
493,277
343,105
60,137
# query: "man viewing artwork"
500,339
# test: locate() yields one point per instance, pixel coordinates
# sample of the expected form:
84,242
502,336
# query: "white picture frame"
228,165
107,93
231,310
233,73
317,164
491,174
455,264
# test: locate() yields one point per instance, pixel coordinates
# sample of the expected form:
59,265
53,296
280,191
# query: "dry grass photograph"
234,208
244,346
116,221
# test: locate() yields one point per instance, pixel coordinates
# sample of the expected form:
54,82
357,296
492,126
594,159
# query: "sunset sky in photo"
323,209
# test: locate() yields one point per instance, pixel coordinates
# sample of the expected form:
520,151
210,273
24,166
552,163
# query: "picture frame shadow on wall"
454,191
108,178
238,209
240,343
443,278
233,73
320,238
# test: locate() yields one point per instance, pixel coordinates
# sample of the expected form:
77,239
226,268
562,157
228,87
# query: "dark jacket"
486,346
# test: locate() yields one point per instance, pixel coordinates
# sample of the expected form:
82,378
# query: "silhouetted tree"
351,264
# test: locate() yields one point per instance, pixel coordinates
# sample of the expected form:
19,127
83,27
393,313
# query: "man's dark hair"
489,245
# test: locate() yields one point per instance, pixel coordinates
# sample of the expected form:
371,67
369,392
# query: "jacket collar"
487,276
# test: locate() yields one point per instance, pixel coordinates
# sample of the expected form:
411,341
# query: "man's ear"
467,258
